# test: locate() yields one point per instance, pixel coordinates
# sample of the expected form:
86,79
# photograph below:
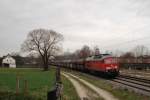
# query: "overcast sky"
109,24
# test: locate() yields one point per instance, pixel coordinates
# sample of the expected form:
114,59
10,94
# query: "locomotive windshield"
97,56
100,56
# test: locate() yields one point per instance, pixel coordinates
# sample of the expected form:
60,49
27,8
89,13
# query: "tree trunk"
45,65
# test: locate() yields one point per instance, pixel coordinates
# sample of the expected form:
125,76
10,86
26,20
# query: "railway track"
137,84
135,78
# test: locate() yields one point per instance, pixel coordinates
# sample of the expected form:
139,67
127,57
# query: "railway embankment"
115,89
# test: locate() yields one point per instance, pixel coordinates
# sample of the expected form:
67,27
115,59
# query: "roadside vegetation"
122,94
38,83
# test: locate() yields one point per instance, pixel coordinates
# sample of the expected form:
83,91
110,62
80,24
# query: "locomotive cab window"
110,61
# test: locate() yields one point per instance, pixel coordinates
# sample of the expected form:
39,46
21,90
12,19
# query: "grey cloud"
95,22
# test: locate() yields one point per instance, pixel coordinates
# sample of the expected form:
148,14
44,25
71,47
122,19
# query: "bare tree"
85,52
45,42
140,51
96,51
77,54
127,57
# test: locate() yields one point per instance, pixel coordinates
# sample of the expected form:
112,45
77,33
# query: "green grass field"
39,82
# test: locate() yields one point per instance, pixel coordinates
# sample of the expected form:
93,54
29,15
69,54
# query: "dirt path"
102,93
79,88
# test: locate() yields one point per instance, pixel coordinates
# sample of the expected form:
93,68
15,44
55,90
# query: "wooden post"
25,87
17,84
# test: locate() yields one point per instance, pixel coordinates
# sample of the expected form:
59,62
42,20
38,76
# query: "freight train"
102,63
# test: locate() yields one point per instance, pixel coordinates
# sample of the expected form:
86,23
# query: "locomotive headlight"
108,68
116,67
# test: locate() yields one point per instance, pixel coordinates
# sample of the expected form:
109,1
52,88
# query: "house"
9,61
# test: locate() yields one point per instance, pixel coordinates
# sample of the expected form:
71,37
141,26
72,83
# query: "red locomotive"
103,63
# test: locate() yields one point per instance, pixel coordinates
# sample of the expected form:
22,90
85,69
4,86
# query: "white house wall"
9,60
